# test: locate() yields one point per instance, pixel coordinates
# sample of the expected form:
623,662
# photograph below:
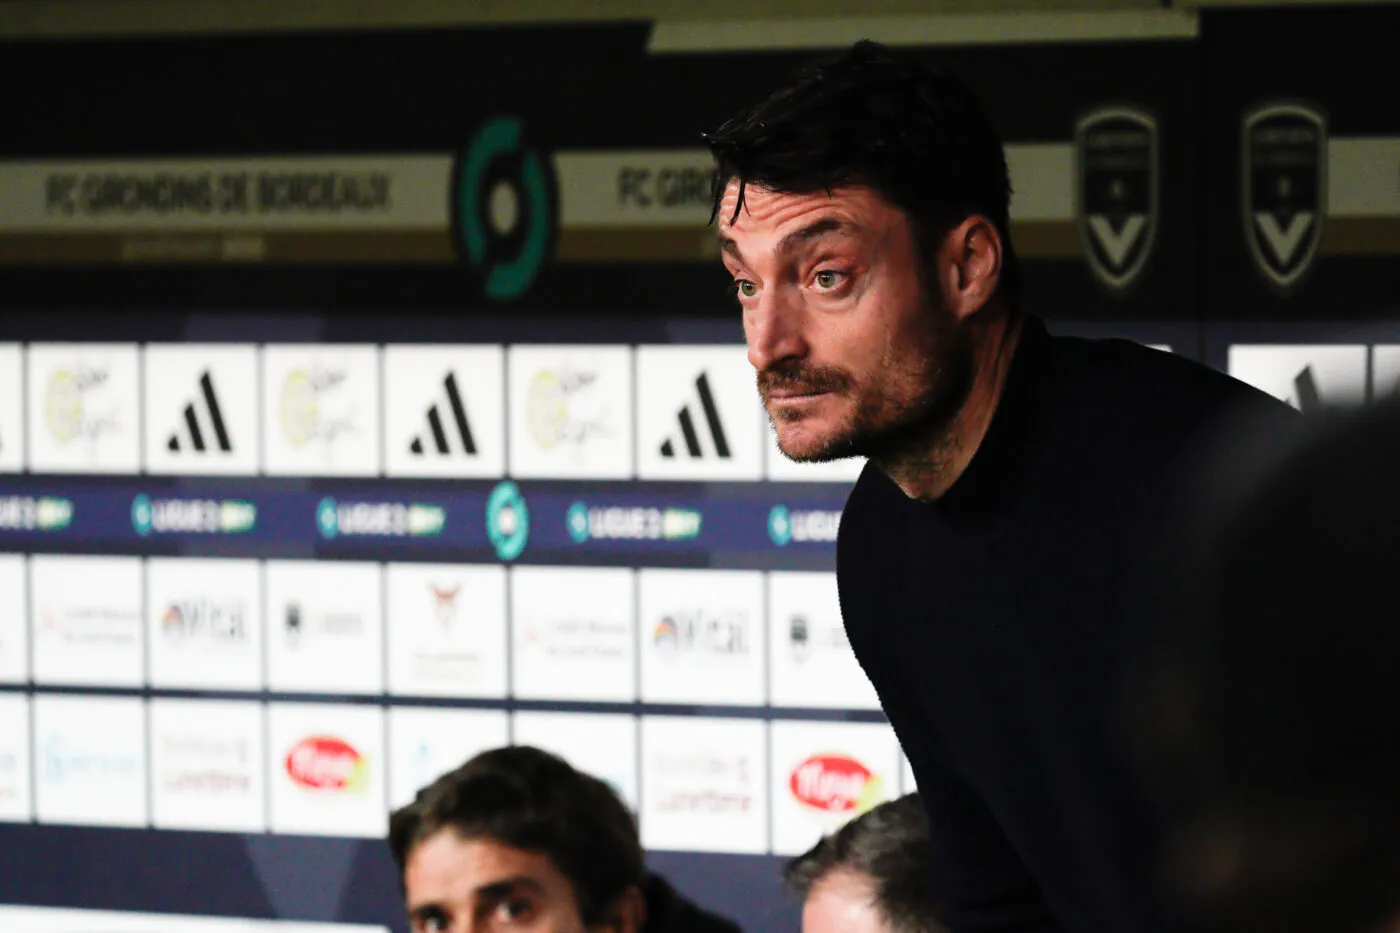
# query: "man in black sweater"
994,559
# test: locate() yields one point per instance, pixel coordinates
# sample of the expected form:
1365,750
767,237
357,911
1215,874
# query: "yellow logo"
298,411
63,406
547,408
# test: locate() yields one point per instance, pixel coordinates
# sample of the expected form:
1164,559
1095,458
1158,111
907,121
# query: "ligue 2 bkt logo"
1116,192
505,216
1285,189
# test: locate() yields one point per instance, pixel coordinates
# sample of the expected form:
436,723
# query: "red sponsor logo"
834,783
326,763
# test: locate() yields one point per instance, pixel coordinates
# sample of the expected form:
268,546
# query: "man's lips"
792,395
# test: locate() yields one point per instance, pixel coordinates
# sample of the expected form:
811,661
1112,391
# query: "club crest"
1116,192
1285,189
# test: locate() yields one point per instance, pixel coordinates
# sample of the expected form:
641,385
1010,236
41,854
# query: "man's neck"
929,470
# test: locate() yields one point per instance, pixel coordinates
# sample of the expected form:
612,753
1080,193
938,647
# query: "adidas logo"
191,436
437,434
690,437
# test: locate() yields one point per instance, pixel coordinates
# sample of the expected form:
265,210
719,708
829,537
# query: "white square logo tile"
704,785
812,664
570,411
202,409
204,623
425,744
575,633
16,797
1305,377
698,414
1385,370
11,408
444,411
86,620
14,627
327,774
325,627
826,774
321,410
90,760
701,637
84,408
207,765
603,745
447,630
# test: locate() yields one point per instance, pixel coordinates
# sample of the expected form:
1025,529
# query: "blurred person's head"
517,839
1270,711
871,875
863,213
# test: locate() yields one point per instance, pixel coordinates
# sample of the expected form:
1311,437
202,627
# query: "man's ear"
969,265
628,914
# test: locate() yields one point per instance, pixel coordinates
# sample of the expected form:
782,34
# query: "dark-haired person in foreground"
517,839
1270,711
993,558
870,876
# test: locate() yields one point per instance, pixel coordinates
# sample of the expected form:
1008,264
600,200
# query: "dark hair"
912,133
534,801
890,845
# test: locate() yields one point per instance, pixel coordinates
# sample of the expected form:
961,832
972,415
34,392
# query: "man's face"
456,885
842,902
853,350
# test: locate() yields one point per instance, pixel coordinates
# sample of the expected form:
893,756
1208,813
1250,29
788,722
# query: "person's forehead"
841,901
766,210
470,863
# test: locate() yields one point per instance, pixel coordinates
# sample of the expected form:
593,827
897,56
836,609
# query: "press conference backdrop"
377,401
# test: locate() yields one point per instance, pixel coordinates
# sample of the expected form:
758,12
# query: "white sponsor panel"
325,631
201,409
327,774
1385,370
574,632
810,660
204,623
11,408
86,620
320,407
84,408
90,760
704,785
447,630
779,468
826,774
1304,376
425,744
701,637
699,417
635,188
444,411
207,765
16,799
570,411
14,627
601,744
68,920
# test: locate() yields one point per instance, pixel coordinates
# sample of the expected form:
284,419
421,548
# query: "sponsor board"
347,519
165,516
327,770
777,466
90,760
601,744
700,636
35,513
444,411
425,744
699,417
803,526
574,633
68,920
204,623
704,785
83,408
570,411
826,774
324,629
447,630
320,406
201,409
11,408
592,521
86,620
207,767
16,798
1385,370
811,663
14,627
1308,377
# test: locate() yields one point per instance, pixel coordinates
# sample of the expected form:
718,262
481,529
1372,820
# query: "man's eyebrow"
504,886
795,239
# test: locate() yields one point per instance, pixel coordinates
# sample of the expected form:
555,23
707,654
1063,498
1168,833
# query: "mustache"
800,378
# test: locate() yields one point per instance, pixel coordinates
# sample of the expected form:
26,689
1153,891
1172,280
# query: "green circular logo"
779,525
488,205
578,522
327,519
507,520
141,514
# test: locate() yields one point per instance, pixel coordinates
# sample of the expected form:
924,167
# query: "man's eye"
745,288
827,279
514,911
